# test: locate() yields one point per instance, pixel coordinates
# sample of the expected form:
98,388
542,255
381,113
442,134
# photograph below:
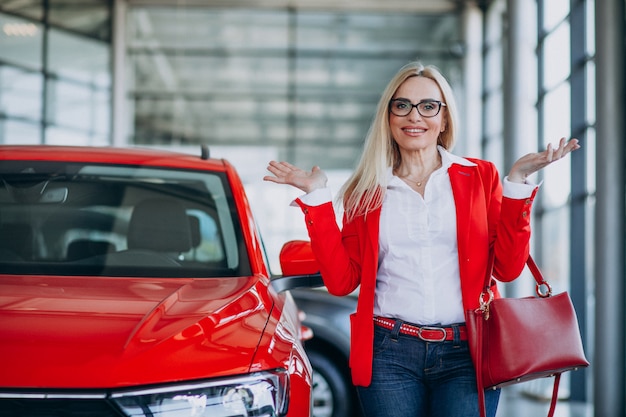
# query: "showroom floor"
514,403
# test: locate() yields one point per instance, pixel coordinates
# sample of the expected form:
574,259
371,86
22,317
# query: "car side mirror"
296,258
299,266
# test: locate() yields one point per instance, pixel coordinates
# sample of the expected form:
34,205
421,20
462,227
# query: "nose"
414,114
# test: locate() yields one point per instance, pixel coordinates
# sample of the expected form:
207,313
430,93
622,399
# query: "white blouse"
418,265
418,268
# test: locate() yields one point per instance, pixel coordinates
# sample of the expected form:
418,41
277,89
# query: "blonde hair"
364,190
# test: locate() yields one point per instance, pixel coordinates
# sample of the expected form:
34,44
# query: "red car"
134,283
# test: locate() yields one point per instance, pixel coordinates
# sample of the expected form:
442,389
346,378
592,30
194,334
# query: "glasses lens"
401,107
428,108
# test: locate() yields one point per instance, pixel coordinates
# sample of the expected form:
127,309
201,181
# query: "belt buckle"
434,329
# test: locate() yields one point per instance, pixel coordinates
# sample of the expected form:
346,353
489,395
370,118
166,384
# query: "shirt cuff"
316,197
518,191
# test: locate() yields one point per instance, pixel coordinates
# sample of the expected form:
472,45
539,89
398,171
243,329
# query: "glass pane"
590,83
207,29
20,93
493,69
32,9
554,11
589,147
556,187
556,248
19,133
79,59
590,35
90,17
79,107
62,136
494,149
232,76
556,55
101,111
494,119
21,42
394,34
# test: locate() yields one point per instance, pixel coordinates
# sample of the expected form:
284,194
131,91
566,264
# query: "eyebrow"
421,101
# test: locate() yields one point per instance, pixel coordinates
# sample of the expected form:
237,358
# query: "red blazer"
485,221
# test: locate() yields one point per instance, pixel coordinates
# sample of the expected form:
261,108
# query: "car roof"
112,155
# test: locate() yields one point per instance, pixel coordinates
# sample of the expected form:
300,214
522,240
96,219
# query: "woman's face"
414,131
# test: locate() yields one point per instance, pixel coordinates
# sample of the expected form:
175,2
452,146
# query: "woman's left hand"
533,162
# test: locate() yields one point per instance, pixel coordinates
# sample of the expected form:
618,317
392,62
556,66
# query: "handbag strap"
534,269
484,313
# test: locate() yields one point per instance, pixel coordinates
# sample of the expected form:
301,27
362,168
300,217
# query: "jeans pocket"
381,339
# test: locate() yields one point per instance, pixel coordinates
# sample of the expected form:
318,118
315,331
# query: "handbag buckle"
548,289
485,299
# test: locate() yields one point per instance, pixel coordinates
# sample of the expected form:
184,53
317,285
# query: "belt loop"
395,332
456,335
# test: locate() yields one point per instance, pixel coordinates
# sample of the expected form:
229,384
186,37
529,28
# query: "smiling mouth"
410,130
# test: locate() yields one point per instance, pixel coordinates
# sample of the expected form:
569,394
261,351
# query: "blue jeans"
414,378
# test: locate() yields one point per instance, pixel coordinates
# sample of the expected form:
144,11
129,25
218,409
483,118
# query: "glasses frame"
439,103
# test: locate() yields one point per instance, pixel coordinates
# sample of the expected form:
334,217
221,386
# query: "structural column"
119,119
609,352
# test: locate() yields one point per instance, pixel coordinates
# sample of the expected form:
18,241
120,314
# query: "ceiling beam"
422,6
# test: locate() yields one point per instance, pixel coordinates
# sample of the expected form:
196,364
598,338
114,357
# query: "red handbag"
514,340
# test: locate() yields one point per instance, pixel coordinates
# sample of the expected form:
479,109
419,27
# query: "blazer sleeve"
509,229
337,251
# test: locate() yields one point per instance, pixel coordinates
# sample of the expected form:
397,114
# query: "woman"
419,224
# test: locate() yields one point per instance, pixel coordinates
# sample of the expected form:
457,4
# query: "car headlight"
263,394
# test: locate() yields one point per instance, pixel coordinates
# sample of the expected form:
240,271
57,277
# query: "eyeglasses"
426,108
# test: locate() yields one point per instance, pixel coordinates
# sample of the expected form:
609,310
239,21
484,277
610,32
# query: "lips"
413,130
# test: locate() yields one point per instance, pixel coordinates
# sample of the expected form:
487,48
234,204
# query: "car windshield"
90,219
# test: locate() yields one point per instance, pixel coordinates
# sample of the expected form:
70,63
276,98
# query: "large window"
566,108
55,83
563,106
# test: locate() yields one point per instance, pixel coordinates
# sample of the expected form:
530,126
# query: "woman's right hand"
285,173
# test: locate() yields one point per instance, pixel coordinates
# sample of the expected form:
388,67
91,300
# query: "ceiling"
301,77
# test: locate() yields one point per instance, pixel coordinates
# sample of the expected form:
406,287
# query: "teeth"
414,130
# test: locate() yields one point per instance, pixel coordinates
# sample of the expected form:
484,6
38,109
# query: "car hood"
95,332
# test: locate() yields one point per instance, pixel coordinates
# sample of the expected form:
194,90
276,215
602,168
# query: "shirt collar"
447,159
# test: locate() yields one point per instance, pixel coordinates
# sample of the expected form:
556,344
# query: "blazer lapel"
463,180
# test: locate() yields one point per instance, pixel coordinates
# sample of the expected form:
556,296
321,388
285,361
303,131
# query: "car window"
75,219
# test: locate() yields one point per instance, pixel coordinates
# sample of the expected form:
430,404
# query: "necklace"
420,182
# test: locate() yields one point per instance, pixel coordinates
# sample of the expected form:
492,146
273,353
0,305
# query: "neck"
418,166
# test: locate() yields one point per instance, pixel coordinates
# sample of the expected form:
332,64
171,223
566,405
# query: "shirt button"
528,201
524,214
310,222
306,211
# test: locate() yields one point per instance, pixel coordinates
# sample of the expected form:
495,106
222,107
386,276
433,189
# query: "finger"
272,179
549,153
572,145
274,169
568,146
558,153
289,166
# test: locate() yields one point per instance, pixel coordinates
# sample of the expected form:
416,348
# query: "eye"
428,106
401,105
